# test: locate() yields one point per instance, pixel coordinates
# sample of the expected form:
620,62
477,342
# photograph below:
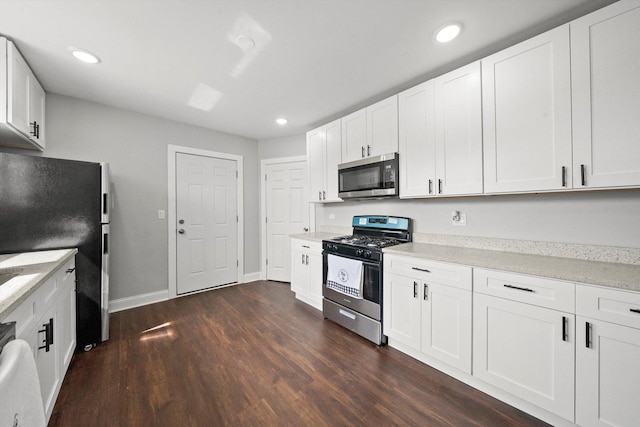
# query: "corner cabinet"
22,103
606,97
306,271
427,309
527,115
46,320
440,136
607,355
371,131
524,338
324,154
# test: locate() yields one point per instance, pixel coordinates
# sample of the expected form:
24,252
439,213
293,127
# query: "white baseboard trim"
252,277
137,301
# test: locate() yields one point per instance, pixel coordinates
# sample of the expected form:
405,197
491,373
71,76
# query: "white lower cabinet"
46,320
306,271
427,307
607,357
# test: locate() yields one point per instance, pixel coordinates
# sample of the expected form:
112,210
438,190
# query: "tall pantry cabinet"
324,146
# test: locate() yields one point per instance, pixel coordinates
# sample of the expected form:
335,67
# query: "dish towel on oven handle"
344,275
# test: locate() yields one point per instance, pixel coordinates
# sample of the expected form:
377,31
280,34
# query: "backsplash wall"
608,218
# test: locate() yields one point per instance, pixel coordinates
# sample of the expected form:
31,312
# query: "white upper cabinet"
371,131
417,144
527,115
22,101
458,131
323,157
605,64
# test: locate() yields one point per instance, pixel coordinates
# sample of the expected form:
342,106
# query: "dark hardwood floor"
254,355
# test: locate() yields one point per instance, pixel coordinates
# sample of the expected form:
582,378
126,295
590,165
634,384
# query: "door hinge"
237,218
265,176
266,261
265,219
237,263
236,174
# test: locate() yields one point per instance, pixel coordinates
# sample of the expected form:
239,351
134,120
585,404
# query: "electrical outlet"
161,214
459,218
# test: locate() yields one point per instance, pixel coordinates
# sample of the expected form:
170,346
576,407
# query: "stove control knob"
334,248
359,252
367,254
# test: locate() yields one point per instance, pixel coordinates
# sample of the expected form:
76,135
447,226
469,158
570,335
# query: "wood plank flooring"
254,355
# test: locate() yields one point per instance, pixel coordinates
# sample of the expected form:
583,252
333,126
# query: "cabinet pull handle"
319,195
430,186
307,261
71,270
305,246
302,259
421,269
425,291
324,195
439,186
368,150
48,336
518,288
587,337
583,175
635,310
362,149
565,328
564,176
415,289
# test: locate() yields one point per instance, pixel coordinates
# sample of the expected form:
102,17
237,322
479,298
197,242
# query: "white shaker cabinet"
440,131
605,61
527,115
22,103
371,131
524,338
324,149
417,144
427,308
458,131
306,271
607,355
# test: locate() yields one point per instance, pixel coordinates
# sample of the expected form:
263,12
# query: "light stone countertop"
33,268
317,236
614,275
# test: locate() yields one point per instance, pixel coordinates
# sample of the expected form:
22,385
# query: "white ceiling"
314,60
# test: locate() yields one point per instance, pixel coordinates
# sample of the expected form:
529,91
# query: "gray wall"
135,145
275,148
608,218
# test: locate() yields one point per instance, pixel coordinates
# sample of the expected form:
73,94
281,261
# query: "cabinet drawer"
30,310
429,271
549,293
610,305
305,246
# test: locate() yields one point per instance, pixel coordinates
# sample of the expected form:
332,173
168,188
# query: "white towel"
345,276
20,399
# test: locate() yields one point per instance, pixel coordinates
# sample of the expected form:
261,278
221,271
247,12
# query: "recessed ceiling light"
84,55
448,32
281,122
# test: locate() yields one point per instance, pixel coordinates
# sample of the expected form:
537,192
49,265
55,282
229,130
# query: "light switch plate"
161,214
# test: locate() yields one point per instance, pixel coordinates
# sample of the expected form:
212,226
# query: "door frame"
263,206
172,152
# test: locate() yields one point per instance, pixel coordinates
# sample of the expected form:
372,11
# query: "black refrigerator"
54,204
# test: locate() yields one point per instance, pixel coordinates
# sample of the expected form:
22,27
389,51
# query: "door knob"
181,231
181,221
306,229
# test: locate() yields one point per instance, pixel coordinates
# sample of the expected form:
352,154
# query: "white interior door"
206,215
287,210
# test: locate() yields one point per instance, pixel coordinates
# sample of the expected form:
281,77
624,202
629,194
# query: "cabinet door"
354,136
314,270
66,327
299,272
458,122
526,92
316,161
606,97
36,112
446,324
382,127
333,157
525,350
607,374
417,141
402,309
47,362
18,90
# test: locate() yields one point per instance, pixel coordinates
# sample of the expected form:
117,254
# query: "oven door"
371,289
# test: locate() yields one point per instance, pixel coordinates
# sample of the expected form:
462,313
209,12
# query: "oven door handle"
364,263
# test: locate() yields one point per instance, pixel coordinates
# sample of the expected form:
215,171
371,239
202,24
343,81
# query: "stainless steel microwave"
369,178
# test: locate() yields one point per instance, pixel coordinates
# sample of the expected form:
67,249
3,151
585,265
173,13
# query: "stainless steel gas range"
352,273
